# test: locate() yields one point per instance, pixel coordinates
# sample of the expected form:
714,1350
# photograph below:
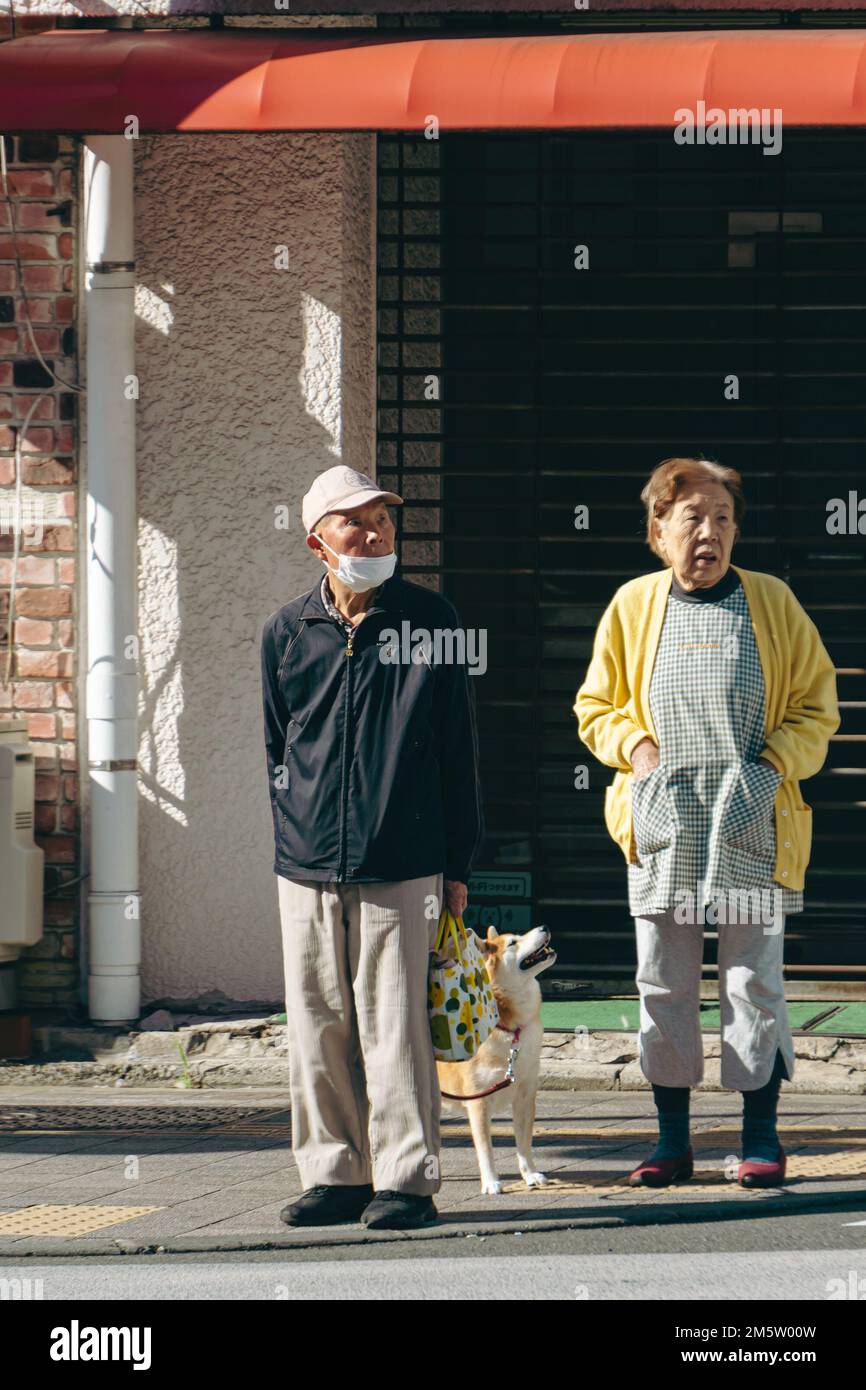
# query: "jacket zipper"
344,786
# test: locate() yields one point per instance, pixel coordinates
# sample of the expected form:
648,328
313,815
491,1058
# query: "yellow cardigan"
801,707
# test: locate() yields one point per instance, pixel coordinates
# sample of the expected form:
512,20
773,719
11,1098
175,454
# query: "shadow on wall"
251,251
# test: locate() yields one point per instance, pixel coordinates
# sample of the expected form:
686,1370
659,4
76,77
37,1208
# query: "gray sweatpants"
754,1013
365,1094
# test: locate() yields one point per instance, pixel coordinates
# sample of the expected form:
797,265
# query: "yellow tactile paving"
848,1161
702,1138
712,1183
708,1138
837,1165
72,1220
616,1185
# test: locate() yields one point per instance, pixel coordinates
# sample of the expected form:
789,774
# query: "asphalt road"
807,1257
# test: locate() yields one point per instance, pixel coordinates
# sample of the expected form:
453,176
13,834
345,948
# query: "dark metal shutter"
559,387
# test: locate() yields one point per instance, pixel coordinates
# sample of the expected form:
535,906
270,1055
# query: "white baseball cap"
338,489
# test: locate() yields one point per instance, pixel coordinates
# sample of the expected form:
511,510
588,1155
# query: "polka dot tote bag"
463,1008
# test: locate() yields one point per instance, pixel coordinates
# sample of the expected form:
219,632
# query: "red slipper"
660,1172
763,1174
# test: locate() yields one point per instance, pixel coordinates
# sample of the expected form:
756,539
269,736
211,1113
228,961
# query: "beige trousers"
364,1090
753,1009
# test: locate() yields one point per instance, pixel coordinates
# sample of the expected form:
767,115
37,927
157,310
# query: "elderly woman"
710,692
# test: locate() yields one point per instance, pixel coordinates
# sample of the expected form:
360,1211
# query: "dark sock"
760,1138
672,1104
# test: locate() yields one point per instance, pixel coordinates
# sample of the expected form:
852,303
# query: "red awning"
90,81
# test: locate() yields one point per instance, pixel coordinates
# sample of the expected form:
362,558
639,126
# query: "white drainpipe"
111,697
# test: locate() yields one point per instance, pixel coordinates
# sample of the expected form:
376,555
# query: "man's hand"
456,897
644,757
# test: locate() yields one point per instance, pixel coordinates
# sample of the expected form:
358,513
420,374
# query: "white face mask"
360,573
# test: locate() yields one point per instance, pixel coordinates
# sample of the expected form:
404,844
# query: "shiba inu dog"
513,965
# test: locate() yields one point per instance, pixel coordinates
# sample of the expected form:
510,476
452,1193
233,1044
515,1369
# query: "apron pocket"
652,822
747,820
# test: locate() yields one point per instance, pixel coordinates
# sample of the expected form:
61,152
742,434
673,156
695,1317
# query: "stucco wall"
244,398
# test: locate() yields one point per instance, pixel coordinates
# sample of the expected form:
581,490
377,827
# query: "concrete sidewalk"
85,1170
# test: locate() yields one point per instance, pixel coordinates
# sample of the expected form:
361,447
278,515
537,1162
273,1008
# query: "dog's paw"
493,1188
534,1179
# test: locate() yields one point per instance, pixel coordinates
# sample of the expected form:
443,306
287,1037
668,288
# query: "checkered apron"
703,819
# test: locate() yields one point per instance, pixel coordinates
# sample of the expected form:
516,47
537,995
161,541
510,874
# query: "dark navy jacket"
380,758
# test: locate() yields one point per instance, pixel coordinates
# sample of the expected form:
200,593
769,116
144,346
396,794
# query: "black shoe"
326,1205
399,1211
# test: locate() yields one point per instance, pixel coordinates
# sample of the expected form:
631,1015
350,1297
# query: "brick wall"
42,175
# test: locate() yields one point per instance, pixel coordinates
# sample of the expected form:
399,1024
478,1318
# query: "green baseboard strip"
623,1015
607,1015
849,1021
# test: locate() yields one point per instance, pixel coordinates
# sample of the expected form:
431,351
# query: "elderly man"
372,767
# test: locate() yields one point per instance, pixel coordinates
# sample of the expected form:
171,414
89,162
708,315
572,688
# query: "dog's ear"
492,933
487,946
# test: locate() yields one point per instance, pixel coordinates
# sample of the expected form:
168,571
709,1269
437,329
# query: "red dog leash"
509,1070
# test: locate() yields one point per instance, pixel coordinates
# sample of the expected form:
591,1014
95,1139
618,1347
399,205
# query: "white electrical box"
21,860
